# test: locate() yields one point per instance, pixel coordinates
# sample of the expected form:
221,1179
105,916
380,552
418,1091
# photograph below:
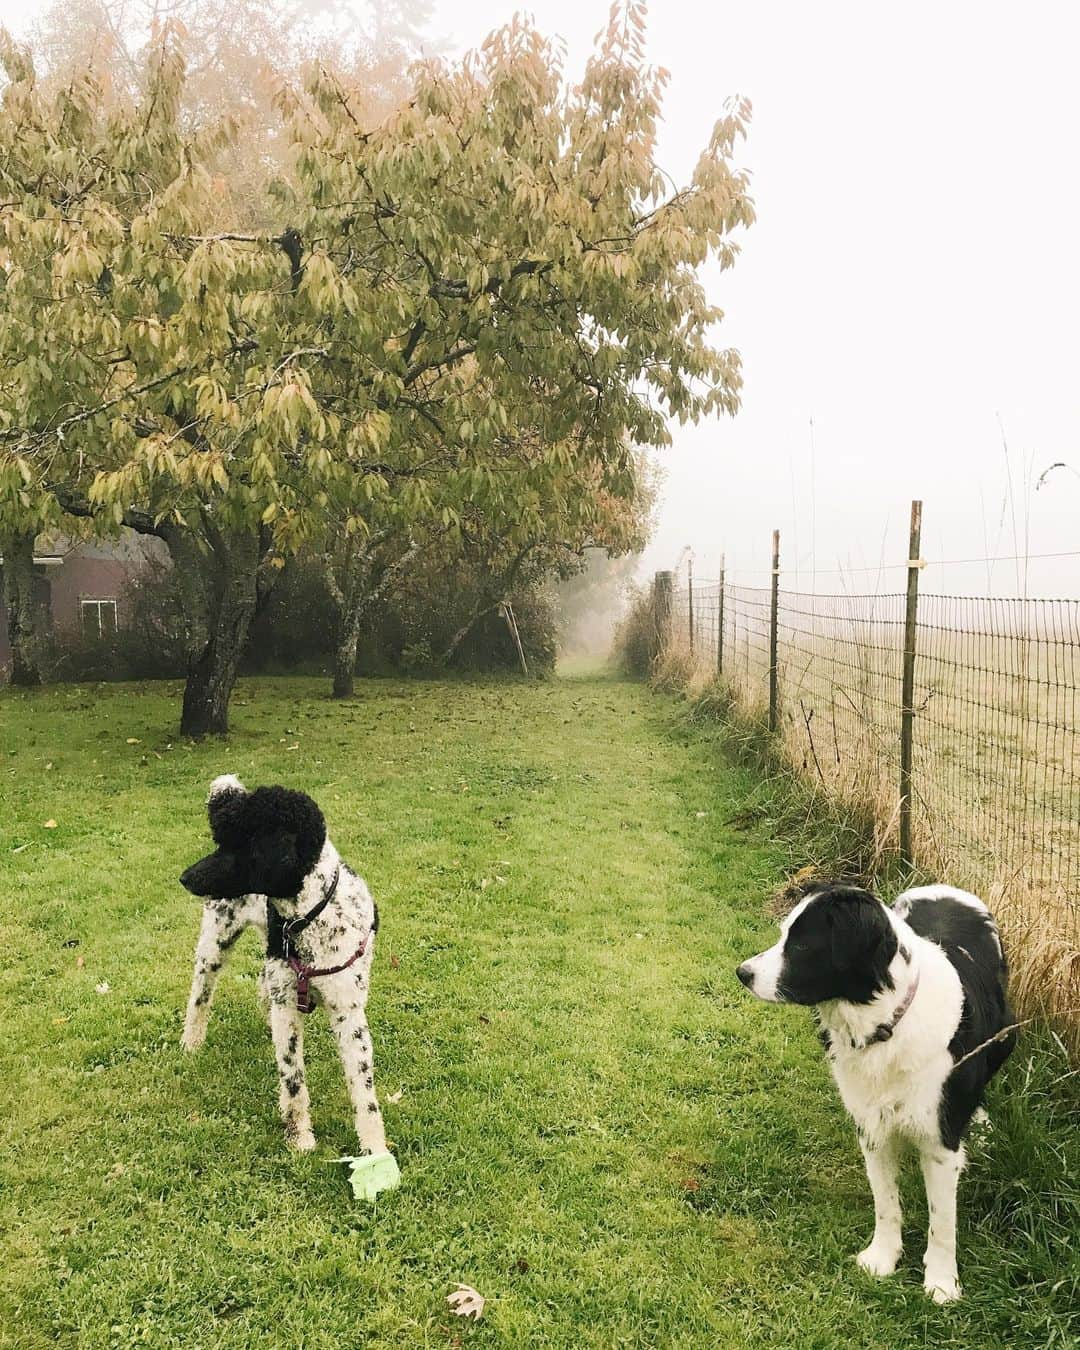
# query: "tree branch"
75,504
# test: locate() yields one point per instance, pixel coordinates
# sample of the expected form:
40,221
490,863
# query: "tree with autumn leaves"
467,315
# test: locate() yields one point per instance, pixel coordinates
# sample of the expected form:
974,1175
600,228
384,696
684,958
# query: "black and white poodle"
274,869
914,1017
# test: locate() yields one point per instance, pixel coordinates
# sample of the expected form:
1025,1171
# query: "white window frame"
90,607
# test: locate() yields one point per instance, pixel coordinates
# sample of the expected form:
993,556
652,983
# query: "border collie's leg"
882,1170
941,1168
354,1045
286,1029
221,925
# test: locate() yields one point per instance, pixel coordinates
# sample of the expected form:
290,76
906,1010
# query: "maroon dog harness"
281,935
305,974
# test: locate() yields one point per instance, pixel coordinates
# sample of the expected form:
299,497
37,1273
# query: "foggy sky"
911,287
913,277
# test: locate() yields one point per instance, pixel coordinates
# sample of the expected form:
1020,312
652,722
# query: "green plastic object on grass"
373,1173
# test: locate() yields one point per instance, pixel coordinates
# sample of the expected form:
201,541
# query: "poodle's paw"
300,1138
193,1038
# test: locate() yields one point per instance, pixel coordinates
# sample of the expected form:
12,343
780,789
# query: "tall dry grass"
995,805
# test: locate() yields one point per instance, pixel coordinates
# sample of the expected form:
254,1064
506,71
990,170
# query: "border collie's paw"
878,1261
942,1288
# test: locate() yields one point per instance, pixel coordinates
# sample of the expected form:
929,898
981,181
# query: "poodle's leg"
287,1031
222,924
349,1023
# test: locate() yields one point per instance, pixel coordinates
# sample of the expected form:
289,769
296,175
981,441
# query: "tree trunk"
230,602
345,662
23,616
355,595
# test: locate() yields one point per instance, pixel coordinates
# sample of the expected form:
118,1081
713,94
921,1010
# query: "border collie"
274,869
903,996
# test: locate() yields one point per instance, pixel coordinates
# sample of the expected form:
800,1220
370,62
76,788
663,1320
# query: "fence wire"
995,769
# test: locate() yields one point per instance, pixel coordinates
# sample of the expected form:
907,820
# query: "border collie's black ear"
860,929
214,877
227,807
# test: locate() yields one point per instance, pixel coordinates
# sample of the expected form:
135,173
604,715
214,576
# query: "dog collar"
282,933
884,1031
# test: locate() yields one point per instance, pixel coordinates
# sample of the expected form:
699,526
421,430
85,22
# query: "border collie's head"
837,943
267,842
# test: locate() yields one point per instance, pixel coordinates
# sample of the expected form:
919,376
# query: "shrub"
407,633
635,635
295,629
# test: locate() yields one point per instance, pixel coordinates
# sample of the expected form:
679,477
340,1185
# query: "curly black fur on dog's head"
267,842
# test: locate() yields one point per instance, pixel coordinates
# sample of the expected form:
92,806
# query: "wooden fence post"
720,622
774,680
690,599
907,703
663,589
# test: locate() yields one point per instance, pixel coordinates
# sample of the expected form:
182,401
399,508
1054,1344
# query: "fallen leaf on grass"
59,1021
395,961
103,988
691,1184
21,848
485,1019
133,740
80,961
394,1097
50,825
466,1302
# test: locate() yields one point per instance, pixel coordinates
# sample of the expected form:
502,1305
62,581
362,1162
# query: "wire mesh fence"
994,762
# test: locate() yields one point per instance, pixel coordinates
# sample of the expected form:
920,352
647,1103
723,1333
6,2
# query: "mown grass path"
597,1128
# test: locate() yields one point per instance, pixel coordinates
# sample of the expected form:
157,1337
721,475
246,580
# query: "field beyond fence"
993,766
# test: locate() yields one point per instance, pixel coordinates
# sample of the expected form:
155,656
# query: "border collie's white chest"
895,1086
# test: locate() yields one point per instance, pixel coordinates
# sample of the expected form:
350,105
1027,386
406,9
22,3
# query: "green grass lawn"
597,1127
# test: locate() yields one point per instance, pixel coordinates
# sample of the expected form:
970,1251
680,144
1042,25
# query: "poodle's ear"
226,807
217,877
311,834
